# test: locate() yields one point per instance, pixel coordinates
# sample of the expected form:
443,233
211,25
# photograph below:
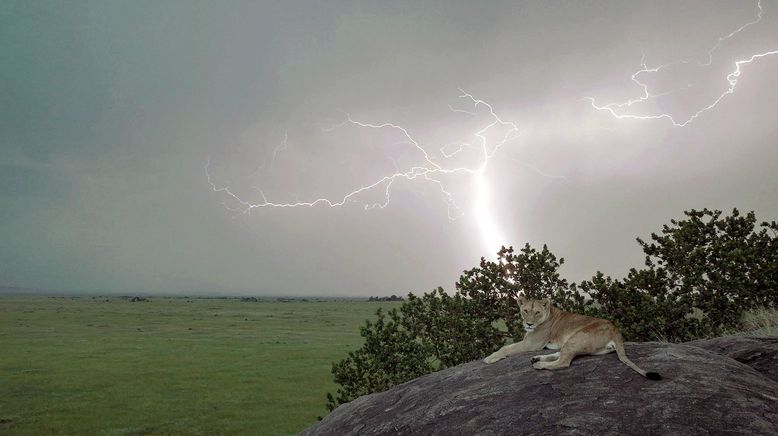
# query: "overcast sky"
109,112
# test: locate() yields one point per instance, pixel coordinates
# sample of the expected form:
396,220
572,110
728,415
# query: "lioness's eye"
537,312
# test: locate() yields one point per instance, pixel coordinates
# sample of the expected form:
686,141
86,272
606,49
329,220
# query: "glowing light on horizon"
491,237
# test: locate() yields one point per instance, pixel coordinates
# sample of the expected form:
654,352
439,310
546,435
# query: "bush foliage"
701,273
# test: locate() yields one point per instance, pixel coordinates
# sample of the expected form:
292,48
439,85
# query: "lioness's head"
534,312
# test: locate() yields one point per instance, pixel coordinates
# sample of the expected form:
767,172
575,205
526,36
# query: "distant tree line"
389,298
700,274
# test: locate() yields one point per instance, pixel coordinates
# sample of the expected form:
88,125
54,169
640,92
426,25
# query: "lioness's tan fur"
570,333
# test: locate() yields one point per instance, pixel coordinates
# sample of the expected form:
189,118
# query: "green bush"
701,273
720,266
640,306
390,356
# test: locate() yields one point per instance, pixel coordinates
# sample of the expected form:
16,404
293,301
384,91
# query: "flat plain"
106,365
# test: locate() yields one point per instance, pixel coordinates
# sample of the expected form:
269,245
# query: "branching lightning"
426,168
618,110
280,147
435,167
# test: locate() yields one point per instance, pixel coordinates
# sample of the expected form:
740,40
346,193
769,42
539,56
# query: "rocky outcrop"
758,353
706,389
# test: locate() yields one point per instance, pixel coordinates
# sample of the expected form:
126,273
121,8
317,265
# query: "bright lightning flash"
619,110
428,167
425,168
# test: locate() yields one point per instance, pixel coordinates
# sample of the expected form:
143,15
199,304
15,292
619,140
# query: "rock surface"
705,390
758,353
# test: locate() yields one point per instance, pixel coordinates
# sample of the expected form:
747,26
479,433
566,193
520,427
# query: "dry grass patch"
761,322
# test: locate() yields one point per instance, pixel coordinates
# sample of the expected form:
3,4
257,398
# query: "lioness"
570,333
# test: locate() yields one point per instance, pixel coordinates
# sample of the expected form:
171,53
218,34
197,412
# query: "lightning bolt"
426,168
280,147
434,167
618,110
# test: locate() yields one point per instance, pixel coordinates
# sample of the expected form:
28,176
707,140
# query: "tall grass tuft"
761,322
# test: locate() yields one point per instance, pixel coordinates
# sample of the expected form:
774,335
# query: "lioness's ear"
522,300
547,302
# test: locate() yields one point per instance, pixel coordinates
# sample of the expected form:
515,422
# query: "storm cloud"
111,110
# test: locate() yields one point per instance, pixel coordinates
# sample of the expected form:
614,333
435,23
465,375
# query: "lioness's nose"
529,324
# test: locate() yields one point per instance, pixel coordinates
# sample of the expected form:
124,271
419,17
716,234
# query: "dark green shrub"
640,307
720,266
389,356
452,329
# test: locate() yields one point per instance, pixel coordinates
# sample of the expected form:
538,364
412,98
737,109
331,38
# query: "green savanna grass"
84,365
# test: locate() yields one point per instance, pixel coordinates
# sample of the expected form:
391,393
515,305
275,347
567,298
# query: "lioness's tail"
623,357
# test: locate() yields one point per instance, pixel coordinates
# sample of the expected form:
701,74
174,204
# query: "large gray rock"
702,392
757,352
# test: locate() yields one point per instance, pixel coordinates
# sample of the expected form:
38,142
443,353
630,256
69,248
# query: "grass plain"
89,365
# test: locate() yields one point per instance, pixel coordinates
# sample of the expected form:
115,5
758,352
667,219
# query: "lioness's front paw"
534,359
493,358
537,365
